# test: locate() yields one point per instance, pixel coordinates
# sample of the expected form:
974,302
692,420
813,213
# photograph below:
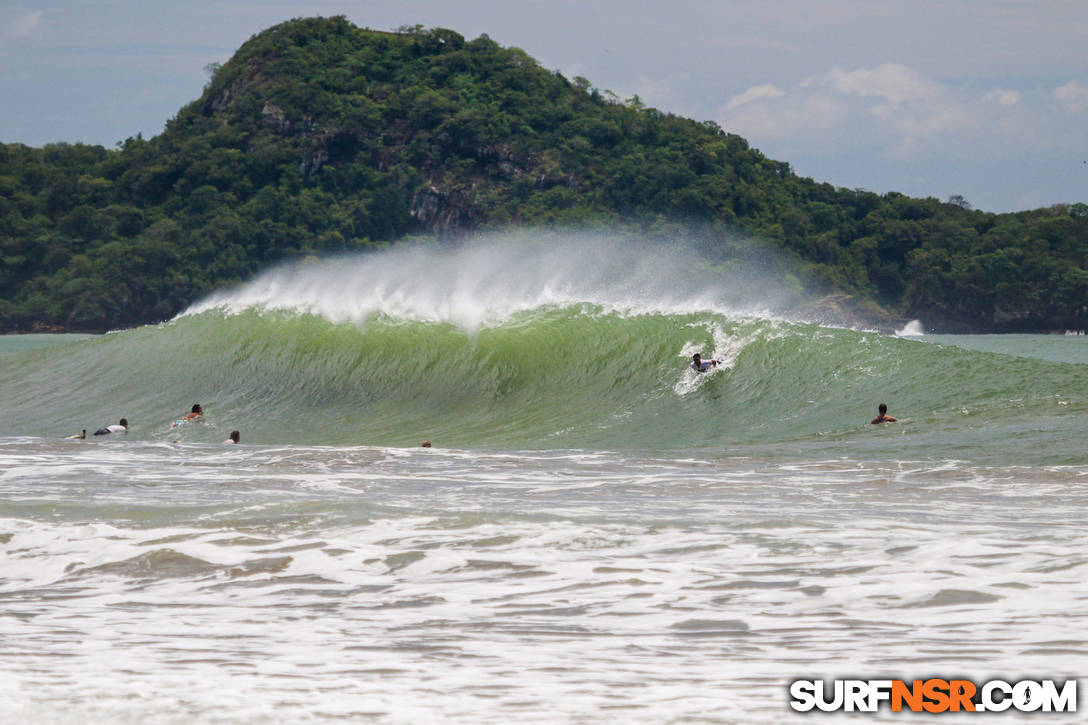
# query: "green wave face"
304,356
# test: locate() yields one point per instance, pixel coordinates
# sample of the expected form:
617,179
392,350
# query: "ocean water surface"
597,534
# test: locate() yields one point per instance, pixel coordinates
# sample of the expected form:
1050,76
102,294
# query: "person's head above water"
197,409
235,436
124,422
882,415
696,358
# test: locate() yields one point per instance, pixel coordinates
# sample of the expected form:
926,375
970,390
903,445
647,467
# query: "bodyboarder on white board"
701,366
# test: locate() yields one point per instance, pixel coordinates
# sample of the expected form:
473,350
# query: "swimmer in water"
195,413
701,366
121,427
883,416
235,437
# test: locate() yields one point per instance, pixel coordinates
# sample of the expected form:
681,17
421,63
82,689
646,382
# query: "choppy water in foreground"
598,535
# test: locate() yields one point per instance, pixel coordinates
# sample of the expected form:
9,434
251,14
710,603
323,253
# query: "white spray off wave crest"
487,280
913,328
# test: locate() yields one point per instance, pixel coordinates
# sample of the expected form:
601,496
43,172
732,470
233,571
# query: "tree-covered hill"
321,137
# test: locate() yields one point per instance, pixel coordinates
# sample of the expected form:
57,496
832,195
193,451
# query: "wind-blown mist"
487,280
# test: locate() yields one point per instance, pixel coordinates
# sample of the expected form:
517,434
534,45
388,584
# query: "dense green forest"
320,137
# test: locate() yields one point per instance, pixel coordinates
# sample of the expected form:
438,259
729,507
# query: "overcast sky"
983,98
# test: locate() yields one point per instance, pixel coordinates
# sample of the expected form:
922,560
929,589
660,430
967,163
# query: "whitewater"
597,533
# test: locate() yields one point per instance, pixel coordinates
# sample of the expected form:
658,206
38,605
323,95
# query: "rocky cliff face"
444,211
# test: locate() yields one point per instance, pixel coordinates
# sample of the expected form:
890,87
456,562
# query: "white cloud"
792,120
896,113
892,82
24,25
1002,97
752,94
1073,95
911,112
891,110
